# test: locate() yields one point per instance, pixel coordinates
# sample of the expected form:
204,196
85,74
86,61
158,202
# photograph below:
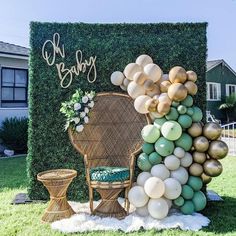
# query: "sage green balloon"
179,201
164,147
143,162
171,130
187,208
175,104
188,101
173,114
190,111
182,109
159,122
197,114
155,158
187,192
150,133
199,201
195,183
185,141
148,148
185,121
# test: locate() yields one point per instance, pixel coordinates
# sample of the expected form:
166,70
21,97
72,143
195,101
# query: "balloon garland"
179,154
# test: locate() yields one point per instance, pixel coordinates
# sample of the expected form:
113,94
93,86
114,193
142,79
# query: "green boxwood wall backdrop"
115,45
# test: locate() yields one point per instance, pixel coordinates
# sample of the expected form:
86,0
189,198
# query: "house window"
14,86
230,89
213,91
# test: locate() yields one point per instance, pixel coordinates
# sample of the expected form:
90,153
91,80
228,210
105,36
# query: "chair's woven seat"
109,174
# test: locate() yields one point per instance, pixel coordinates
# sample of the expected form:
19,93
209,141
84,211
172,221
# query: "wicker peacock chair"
109,144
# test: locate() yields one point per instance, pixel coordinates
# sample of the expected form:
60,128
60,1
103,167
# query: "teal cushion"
109,174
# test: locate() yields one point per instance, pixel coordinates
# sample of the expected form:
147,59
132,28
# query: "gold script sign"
52,49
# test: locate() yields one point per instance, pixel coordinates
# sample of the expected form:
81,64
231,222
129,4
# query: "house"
221,82
13,80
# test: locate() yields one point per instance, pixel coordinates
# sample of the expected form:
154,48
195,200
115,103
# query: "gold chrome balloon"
151,105
205,178
212,130
177,92
195,130
191,87
195,169
199,157
218,149
201,144
212,168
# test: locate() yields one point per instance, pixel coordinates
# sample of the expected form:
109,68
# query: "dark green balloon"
190,111
173,114
187,192
199,201
143,162
187,208
155,158
185,121
179,201
197,114
159,122
164,147
185,141
188,101
195,183
148,148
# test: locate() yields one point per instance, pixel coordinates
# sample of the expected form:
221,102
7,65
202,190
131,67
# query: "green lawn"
25,219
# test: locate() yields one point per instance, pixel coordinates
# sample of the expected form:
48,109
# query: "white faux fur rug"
83,221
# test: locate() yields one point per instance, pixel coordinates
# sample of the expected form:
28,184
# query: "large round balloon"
195,130
185,141
172,114
139,104
187,208
148,148
142,177
187,192
164,147
185,121
155,158
172,162
177,75
143,60
158,208
212,130
191,87
150,133
171,130
160,171
177,92
218,149
197,114
143,162
199,201
131,69
212,168
201,144
117,78
181,174
137,196
135,90
172,188
163,108
153,71
195,183
154,187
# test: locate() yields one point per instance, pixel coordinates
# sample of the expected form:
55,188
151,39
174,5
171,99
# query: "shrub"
14,133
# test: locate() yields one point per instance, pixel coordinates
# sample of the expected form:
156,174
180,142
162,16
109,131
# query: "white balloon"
168,201
181,174
142,211
134,90
131,69
154,187
187,160
179,152
117,78
172,188
153,71
172,162
137,196
158,208
123,87
143,60
139,104
160,171
142,177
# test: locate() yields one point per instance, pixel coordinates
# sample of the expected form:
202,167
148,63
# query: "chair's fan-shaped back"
113,132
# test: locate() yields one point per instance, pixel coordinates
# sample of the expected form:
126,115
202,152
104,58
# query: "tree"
229,105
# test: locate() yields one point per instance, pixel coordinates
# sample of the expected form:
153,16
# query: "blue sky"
220,14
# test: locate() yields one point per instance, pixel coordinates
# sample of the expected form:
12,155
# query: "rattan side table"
57,182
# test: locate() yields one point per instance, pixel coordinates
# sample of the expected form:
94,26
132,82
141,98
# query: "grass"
26,219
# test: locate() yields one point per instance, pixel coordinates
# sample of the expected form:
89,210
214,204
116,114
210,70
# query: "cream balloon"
117,78
142,177
172,188
140,78
142,211
143,60
131,69
139,104
126,82
134,90
158,208
187,160
172,162
137,196
179,152
160,171
123,87
154,187
181,174
164,98
155,115
153,71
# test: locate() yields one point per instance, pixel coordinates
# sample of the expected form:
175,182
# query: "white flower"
85,99
82,114
91,104
90,96
86,110
76,120
86,119
79,128
77,106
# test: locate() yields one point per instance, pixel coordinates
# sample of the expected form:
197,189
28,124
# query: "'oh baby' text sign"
52,49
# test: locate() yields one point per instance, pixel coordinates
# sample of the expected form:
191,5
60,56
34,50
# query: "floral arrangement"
77,109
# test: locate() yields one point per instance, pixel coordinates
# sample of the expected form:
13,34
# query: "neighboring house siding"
223,75
16,64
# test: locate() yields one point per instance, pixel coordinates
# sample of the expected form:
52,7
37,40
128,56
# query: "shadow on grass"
222,216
